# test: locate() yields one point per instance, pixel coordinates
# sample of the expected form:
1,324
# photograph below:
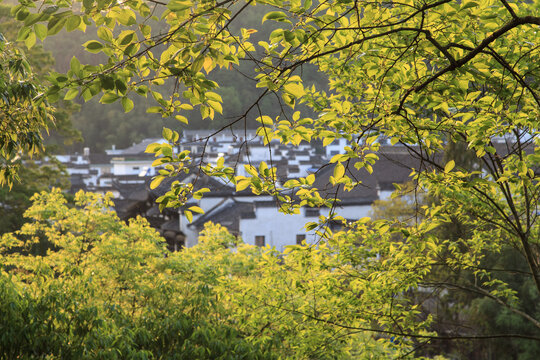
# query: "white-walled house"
128,172
133,165
259,222
273,228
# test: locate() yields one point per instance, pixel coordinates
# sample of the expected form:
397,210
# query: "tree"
421,73
105,288
59,130
24,112
466,309
37,173
35,176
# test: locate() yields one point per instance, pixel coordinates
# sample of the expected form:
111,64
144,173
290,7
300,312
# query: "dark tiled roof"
133,157
394,166
126,190
100,158
171,225
127,209
140,147
217,188
366,192
228,213
138,193
153,211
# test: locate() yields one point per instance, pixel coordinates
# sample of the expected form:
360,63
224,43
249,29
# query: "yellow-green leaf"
127,104
449,166
196,209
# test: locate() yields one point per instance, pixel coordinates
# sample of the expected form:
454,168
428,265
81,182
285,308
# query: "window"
259,240
300,238
310,212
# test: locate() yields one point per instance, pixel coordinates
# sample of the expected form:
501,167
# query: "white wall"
191,234
353,212
337,147
278,229
385,194
207,203
131,167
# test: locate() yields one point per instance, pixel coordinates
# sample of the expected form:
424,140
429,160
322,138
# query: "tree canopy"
25,112
84,284
427,75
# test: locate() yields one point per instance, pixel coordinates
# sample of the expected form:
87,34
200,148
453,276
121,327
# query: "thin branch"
471,55
410,335
509,8
480,291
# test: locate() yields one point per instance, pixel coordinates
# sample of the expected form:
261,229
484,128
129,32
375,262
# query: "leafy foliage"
35,176
106,288
35,172
24,111
423,74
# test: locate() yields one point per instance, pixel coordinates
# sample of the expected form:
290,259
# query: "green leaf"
126,37
30,41
154,109
55,25
109,98
311,226
127,104
41,31
181,118
327,140
23,33
265,120
296,89
179,6
88,5
216,106
75,65
71,94
468,4
339,171
276,16
73,22
167,134
197,64
120,85
153,148
105,33
93,46
242,184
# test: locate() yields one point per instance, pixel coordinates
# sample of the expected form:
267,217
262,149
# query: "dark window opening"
259,240
310,212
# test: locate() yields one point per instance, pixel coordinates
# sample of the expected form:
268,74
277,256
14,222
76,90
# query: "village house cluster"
127,174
